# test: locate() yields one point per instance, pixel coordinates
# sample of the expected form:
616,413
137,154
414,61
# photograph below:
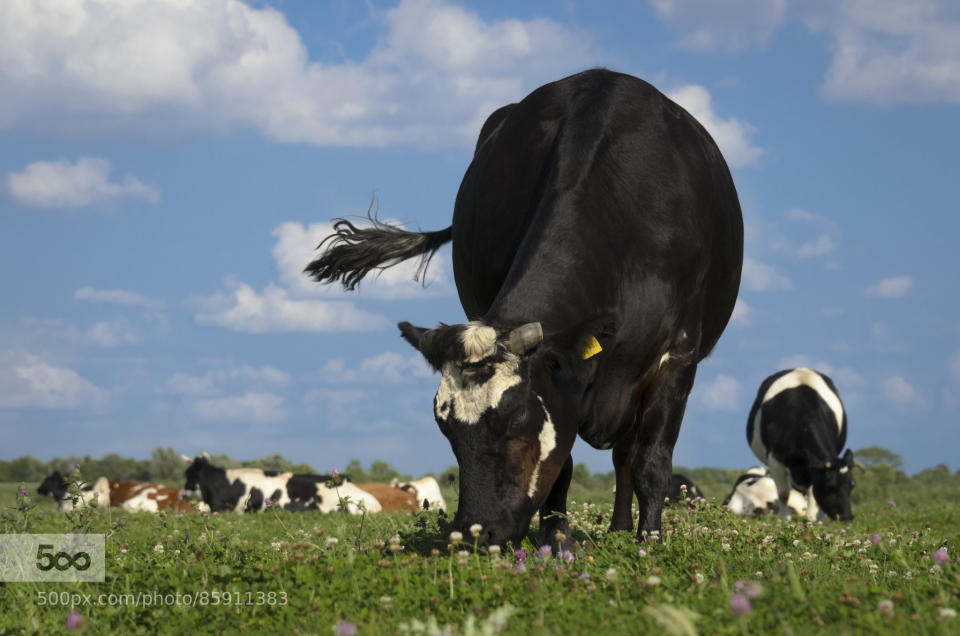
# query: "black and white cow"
682,489
755,493
57,486
798,427
248,489
597,247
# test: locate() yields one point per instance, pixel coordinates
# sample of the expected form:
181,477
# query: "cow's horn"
189,460
525,337
860,466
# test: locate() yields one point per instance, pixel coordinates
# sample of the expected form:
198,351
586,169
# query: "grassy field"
892,570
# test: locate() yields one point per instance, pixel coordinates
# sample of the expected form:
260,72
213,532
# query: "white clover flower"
475,530
885,607
331,541
699,578
796,542
725,547
494,550
462,557
158,548
456,536
653,580
611,575
275,545
758,574
948,612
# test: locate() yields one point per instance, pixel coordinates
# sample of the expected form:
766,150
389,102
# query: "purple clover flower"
567,556
23,492
521,567
545,551
875,539
521,554
643,552
748,589
740,605
345,628
74,620
940,556
585,575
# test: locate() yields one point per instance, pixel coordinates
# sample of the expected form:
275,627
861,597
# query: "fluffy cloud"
725,26
388,366
732,135
900,393
249,407
437,70
115,296
761,277
65,184
296,246
28,381
894,287
721,394
890,52
242,308
212,382
741,313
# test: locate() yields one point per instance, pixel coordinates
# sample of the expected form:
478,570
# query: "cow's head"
832,483
508,403
197,468
55,485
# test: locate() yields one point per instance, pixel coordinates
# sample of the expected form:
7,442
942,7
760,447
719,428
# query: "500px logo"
52,557
61,560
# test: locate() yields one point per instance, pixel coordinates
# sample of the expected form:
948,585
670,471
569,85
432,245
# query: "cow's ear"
588,340
848,459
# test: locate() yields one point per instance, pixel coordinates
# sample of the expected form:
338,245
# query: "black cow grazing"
248,489
797,426
682,489
597,247
57,486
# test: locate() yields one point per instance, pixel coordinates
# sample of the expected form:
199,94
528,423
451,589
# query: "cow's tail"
352,252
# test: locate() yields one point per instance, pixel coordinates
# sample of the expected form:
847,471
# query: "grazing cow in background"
391,498
755,493
597,248
797,426
249,489
426,490
679,483
57,486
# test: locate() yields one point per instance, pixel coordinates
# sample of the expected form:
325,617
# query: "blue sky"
167,168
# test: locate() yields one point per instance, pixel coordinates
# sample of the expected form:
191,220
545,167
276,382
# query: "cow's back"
591,185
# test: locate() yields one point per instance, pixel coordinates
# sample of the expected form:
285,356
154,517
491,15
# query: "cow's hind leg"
553,512
623,453
781,476
656,437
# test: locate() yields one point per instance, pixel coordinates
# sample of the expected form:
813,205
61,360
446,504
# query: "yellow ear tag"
591,348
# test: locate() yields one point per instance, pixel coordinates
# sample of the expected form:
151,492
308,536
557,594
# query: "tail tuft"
352,252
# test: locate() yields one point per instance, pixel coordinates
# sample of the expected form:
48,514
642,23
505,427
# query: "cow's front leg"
623,453
657,434
553,512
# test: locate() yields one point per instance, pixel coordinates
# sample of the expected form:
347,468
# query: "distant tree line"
883,478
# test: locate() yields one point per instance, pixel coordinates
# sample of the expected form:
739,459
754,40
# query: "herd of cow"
597,249
209,488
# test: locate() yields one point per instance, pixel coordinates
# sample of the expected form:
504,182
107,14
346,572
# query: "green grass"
307,572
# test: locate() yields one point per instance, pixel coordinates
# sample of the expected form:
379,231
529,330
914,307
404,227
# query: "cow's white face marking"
548,441
479,341
812,379
468,401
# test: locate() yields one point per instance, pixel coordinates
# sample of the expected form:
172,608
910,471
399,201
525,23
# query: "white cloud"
741,313
436,71
732,135
63,184
242,308
296,246
822,245
212,382
113,334
254,407
890,52
721,394
28,381
115,296
388,366
726,26
899,392
105,333
894,287
761,277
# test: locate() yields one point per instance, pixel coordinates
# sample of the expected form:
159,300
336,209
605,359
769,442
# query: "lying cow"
798,427
57,486
141,496
755,493
682,488
250,490
392,498
426,490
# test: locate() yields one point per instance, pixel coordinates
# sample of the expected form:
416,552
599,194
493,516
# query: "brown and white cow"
392,498
426,490
140,496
